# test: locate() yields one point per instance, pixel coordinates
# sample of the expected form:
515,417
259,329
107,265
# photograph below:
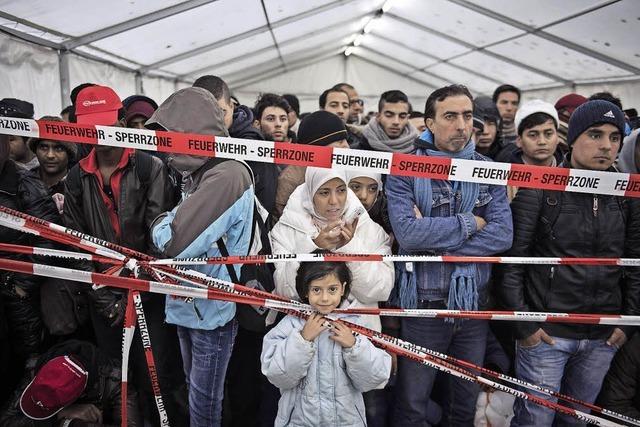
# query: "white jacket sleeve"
286,356
371,282
287,240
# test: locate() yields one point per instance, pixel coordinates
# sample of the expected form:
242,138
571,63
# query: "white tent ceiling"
299,46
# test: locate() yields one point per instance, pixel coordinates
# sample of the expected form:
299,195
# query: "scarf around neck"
463,289
379,141
509,129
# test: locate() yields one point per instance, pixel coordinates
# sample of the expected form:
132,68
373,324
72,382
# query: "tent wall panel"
31,73
158,89
317,78
371,81
628,92
83,70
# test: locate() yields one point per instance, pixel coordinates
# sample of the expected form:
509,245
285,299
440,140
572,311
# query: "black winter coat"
264,174
586,225
621,387
142,199
22,191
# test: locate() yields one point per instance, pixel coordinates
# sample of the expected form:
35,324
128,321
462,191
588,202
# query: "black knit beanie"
321,128
17,108
592,113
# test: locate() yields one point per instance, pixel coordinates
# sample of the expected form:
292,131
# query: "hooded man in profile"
217,203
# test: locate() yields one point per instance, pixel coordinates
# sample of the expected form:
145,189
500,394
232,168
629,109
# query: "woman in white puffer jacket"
320,216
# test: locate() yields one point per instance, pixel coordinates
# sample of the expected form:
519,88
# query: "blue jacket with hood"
217,202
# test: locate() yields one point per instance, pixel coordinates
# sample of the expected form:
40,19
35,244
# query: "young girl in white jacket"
324,214
322,371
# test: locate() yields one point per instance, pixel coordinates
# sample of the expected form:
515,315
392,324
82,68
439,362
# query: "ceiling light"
349,51
387,5
358,40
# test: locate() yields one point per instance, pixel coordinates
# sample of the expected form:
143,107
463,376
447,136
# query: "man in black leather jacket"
99,403
573,358
115,194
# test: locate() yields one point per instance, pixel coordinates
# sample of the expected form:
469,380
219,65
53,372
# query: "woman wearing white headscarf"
367,186
324,214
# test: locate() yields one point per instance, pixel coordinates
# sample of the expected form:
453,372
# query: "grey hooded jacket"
627,158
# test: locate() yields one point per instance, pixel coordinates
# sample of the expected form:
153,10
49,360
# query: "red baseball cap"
97,105
570,101
139,108
58,383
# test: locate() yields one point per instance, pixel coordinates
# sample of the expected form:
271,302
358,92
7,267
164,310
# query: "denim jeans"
205,356
462,339
572,367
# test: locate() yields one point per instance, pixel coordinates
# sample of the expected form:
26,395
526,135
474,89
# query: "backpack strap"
144,162
550,211
257,221
73,181
225,253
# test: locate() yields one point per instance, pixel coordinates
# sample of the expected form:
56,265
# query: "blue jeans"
572,367
464,340
205,356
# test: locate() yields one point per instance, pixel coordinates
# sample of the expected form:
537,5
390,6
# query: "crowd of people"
220,363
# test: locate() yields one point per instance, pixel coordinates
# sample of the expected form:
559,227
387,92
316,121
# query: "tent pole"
139,87
345,58
65,82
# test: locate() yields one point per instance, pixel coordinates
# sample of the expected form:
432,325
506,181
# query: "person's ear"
518,142
429,122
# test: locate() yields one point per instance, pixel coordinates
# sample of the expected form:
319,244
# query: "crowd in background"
219,363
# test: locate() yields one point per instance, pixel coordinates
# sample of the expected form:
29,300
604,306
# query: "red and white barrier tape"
29,224
238,297
524,384
202,281
512,316
455,367
279,258
128,330
271,301
596,319
148,353
56,253
398,346
20,221
561,179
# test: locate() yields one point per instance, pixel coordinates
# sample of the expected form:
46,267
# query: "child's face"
325,294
